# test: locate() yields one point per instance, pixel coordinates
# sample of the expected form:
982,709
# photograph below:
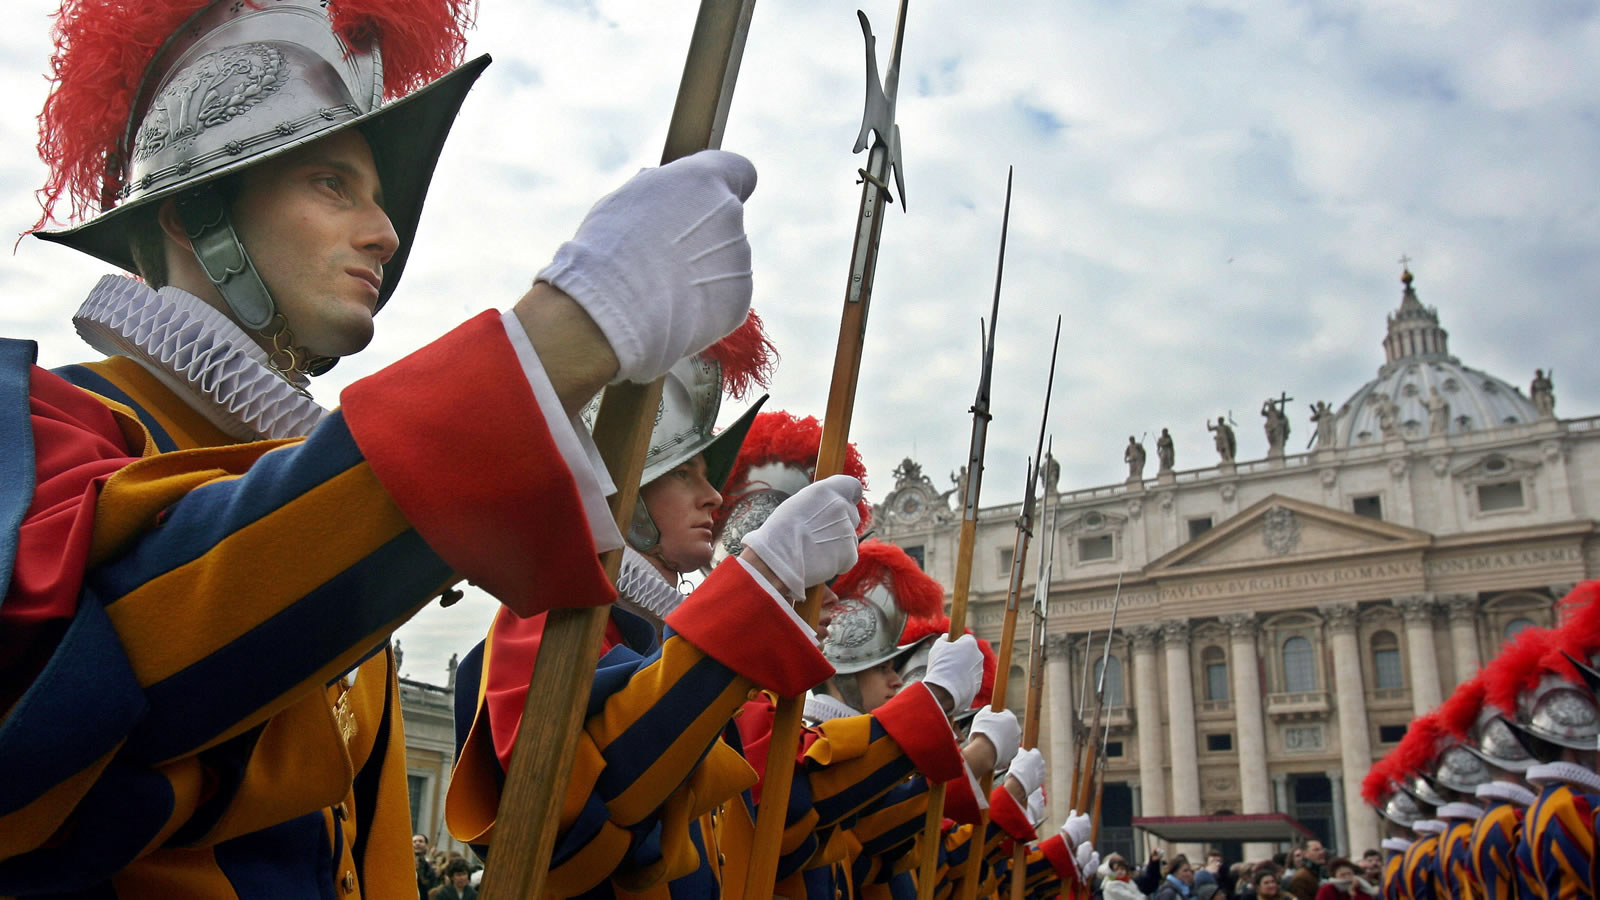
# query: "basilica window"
1112,667
1299,666
1386,661
1516,626
1499,496
1095,548
1215,663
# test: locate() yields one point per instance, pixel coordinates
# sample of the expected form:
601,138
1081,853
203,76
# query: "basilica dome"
1418,363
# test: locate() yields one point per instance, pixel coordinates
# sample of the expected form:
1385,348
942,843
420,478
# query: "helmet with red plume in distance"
877,596
777,459
914,644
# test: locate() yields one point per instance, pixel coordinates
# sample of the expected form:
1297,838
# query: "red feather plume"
915,591
782,437
1460,712
747,356
1579,631
421,40
1516,669
1375,787
1416,751
917,629
102,48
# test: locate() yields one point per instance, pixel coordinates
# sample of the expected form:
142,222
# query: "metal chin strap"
642,531
216,245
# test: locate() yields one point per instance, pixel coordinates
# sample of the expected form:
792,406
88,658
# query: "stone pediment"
1279,529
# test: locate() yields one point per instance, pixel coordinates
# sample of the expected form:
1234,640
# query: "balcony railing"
1299,705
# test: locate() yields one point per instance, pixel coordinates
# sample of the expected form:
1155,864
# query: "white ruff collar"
641,582
1507,791
822,707
1563,773
1396,845
200,354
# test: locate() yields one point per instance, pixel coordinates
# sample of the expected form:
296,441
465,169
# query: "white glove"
811,536
1028,768
662,264
956,666
1036,806
1002,730
1075,830
1088,861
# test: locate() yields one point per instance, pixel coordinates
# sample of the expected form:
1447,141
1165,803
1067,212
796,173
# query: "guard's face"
681,503
312,220
878,685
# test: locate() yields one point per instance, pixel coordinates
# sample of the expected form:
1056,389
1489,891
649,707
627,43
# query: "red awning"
1264,827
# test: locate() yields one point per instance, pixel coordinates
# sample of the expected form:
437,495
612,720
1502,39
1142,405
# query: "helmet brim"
406,137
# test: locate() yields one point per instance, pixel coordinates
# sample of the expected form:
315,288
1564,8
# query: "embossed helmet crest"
880,592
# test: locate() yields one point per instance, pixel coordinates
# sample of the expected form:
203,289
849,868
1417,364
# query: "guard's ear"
172,225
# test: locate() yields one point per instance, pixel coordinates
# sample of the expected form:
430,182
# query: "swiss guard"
202,565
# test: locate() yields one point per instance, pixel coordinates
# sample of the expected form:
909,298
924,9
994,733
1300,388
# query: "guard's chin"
348,334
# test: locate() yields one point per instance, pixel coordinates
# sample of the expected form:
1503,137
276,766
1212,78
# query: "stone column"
1063,746
1341,839
1417,611
1464,634
1355,741
1147,717
1141,840
1255,788
1180,723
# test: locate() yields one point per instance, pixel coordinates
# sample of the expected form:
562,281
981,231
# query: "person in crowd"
427,875
456,886
1179,881
1268,883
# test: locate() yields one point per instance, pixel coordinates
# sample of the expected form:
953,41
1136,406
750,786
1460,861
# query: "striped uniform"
1558,843
652,764
1393,877
843,767
177,623
1493,851
1419,871
1456,878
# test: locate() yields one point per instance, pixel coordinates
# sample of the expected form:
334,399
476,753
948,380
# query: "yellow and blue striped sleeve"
225,585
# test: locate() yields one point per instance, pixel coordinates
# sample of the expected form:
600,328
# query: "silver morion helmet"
691,396
879,594
1497,745
1558,712
240,83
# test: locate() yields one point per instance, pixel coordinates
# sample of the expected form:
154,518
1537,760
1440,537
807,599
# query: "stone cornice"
1175,632
1416,608
1241,626
1339,617
1143,637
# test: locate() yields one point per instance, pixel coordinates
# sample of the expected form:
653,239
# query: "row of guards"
203,565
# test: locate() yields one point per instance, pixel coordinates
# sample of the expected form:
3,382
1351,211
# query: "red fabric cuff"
456,437
1005,811
960,803
731,618
1055,850
915,721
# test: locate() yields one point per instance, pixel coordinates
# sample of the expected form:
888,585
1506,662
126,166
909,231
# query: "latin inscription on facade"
1314,578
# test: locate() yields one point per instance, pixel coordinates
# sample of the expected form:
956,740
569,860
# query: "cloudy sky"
1212,195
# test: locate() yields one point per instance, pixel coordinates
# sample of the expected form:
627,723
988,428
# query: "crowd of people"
1304,873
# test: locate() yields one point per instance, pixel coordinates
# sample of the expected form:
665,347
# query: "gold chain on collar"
285,358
